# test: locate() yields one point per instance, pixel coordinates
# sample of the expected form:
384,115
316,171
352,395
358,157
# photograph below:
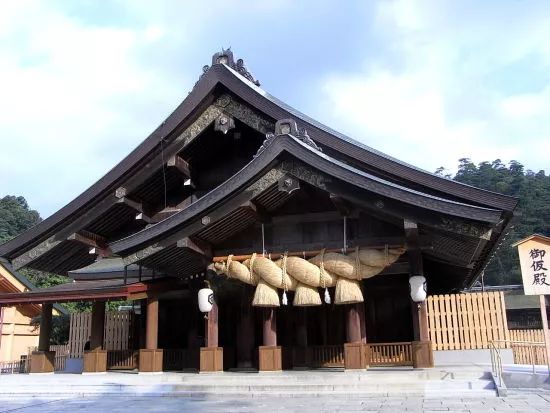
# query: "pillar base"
422,354
270,358
356,356
42,362
211,359
150,361
95,361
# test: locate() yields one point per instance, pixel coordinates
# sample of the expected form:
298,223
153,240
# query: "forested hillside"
532,189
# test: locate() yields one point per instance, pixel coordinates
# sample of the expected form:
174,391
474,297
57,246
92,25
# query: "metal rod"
263,240
125,274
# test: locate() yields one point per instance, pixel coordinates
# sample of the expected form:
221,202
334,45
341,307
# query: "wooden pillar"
98,325
192,335
211,327
152,324
353,324
150,358
211,356
95,359
422,346
270,356
42,361
546,332
362,322
45,327
269,326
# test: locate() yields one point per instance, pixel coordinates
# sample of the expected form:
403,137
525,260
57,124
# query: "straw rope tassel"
283,282
323,279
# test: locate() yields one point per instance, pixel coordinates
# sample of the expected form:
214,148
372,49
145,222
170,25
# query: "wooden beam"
95,241
259,211
341,204
177,162
138,206
140,216
32,254
413,247
195,244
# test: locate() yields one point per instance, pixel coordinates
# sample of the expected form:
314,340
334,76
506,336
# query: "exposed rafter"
177,162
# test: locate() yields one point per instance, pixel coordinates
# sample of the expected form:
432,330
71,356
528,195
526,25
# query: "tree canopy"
15,217
533,213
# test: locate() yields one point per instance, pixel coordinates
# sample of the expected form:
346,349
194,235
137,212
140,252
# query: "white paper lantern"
206,299
417,284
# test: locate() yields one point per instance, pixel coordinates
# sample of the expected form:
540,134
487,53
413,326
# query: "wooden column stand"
211,356
355,351
150,358
95,359
43,360
270,358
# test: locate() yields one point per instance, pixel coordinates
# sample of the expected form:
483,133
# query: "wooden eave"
232,191
200,97
87,291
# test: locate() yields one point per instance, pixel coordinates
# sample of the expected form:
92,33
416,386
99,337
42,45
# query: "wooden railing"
326,356
524,352
122,359
15,367
467,321
391,354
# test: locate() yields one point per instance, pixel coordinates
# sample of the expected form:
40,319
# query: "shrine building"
302,247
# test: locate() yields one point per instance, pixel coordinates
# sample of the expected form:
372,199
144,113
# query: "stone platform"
379,382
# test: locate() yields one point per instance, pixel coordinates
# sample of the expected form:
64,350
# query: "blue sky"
429,82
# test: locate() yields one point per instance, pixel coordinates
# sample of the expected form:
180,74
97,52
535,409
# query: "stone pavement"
517,401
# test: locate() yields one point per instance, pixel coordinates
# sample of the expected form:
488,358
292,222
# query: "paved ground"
517,401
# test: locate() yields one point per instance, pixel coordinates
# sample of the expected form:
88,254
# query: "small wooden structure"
234,171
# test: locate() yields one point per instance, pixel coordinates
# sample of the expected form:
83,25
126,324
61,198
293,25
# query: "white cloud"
437,103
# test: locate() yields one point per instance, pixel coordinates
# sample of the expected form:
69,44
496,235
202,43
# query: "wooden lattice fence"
467,321
528,353
118,331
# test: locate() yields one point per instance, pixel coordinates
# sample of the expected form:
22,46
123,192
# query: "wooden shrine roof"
220,78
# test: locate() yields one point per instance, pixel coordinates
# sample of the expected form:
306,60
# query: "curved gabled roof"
201,95
299,150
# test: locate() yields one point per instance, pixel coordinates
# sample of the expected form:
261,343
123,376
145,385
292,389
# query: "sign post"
534,258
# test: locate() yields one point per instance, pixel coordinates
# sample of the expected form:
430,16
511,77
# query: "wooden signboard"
534,258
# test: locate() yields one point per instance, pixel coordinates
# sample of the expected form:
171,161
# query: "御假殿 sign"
534,258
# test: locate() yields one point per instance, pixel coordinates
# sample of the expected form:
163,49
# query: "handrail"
496,362
495,353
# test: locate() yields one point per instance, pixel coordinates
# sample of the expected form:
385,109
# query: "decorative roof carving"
225,57
288,127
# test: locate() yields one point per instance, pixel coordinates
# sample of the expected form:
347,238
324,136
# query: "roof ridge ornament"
288,127
225,57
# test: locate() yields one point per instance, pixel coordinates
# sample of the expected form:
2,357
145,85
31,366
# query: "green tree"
15,217
533,212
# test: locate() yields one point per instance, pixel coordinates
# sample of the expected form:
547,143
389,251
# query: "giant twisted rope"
305,276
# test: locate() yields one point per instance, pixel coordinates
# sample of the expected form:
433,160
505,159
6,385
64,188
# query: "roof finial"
225,57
